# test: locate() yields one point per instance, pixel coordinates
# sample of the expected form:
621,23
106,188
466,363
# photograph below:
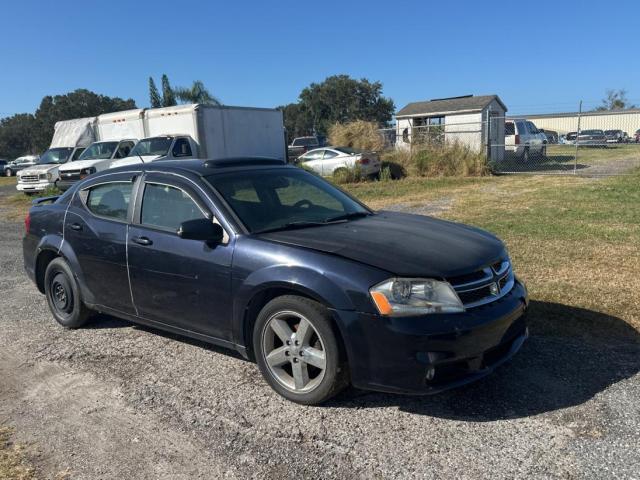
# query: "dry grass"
576,241
359,134
15,207
13,462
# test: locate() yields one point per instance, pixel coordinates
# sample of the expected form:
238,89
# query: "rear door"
178,282
95,227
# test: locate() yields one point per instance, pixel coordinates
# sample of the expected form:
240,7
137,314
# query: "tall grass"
359,134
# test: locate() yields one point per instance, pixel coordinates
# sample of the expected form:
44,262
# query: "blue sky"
538,56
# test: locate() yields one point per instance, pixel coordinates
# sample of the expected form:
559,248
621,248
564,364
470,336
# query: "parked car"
3,164
614,136
523,139
12,168
636,136
551,136
302,145
287,269
593,138
570,138
98,156
330,160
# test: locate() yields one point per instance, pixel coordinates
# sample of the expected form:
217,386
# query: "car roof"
207,167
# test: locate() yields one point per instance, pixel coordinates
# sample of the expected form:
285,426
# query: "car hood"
36,169
80,164
135,160
400,243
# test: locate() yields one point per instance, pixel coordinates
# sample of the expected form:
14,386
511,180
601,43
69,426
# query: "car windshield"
99,151
151,146
591,132
281,199
611,132
347,150
305,141
55,155
571,135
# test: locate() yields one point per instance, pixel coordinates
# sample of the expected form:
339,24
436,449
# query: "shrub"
359,134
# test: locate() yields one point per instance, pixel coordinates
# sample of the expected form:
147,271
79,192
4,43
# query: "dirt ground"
119,401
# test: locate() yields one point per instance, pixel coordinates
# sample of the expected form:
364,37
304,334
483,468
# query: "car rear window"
509,128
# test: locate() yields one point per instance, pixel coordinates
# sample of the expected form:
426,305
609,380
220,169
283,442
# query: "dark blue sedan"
285,268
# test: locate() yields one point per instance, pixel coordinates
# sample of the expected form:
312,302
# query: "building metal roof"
467,103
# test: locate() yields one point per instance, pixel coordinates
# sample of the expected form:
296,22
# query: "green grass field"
575,240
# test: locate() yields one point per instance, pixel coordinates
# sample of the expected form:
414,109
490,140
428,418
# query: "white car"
98,156
524,140
20,163
329,160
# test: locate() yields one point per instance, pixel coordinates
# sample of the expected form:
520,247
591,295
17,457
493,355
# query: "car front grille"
484,286
29,178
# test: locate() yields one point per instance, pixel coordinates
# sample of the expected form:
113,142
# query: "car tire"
310,368
63,295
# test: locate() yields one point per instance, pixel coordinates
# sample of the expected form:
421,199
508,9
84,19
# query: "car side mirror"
201,229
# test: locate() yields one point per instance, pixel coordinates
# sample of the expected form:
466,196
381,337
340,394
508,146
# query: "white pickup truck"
70,138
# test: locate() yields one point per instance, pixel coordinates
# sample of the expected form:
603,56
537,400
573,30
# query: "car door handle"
75,226
141,240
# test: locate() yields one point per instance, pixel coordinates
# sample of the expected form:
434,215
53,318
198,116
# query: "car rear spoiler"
41,200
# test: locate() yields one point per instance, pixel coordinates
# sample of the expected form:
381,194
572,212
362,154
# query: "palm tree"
197,93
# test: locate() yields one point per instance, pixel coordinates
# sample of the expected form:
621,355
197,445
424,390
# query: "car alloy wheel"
294,352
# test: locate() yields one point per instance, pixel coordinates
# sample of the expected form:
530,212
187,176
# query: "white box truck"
70,138
118,133
209,132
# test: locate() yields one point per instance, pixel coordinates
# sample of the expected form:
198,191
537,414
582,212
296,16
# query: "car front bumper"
34,186
429,354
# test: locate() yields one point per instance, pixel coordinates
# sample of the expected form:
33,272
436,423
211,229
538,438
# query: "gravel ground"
119,401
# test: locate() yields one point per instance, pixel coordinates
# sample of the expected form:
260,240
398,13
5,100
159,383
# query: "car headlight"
85,172
398,297
45,176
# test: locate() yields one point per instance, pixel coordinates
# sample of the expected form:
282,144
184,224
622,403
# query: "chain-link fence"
582,144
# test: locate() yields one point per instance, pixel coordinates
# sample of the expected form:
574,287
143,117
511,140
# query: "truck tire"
63,295
297,350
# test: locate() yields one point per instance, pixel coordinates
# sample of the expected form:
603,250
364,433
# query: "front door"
178,282
96,228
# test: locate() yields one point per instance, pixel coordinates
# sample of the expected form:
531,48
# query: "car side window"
329,154
181,148
532,128
110,200
166,207
315,155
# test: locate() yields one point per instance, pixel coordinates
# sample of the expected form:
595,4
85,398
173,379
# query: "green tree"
197,93
338,99
77,104
168,96
16,135
154,96
615,100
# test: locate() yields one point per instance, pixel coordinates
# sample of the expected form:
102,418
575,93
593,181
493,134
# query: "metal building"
625,120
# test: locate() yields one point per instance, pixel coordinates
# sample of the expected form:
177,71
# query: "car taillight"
363,161
27,223
517,139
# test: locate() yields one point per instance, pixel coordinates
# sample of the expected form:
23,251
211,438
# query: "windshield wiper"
304,223
347,216
291,226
